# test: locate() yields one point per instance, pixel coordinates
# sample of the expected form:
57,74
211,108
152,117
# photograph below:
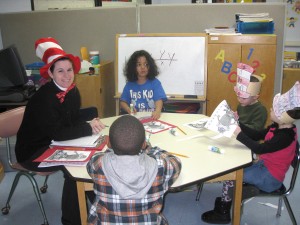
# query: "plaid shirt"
110,209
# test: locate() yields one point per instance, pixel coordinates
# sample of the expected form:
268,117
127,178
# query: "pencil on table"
181,130
173,153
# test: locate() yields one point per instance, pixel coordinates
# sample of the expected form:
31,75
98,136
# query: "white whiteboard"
181,61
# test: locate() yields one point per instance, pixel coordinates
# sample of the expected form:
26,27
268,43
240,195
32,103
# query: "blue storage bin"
255,27
35,76
34,66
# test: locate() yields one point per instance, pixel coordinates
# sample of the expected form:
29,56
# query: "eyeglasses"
142,65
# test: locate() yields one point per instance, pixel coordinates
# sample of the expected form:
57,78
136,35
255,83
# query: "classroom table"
200,165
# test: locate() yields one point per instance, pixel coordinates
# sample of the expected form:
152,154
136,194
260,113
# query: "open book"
72,152
57,156
64,155
222,120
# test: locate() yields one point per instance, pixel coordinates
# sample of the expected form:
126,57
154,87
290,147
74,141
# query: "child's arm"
158,108
124,105
126,99
171,163
254,134
280,140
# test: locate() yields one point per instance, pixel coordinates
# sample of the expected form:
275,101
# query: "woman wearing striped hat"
53,114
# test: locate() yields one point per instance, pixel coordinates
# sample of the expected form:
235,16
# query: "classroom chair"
284,192
10,122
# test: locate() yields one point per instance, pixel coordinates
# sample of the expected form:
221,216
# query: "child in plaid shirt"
130,182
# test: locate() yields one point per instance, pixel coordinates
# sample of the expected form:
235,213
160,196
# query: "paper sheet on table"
222,120
50,164
198,124
156,126
85,142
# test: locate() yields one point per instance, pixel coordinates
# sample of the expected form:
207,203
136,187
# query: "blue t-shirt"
143,96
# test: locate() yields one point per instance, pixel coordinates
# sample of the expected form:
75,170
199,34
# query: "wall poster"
292,22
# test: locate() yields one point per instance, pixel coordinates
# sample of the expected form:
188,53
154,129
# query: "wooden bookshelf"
290,76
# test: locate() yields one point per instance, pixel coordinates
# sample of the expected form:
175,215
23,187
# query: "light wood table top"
200,165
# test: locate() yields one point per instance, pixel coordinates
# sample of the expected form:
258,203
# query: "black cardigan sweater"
47,119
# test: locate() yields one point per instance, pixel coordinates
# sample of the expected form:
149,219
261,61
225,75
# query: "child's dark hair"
130,71
254,79
294,113
127,135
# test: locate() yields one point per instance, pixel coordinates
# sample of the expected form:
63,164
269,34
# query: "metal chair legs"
200,186
289,209
30,176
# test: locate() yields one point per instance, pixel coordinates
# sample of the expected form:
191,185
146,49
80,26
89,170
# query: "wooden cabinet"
290,76
98,90
224,52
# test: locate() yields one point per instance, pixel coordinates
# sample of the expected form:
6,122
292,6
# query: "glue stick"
216,149
131,108
173,131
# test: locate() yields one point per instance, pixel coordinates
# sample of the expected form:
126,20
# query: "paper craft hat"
285,102
49,51
244,86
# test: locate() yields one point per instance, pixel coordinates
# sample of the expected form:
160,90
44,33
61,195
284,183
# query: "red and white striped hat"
49,51
244,88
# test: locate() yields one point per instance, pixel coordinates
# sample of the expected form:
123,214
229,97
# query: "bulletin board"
181,59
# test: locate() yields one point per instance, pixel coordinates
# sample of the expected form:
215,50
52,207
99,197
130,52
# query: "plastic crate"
255,27
33,73
34,66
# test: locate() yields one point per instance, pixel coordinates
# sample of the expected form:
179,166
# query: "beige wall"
96,28
93,28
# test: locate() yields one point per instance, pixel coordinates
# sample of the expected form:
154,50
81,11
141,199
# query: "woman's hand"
97,125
